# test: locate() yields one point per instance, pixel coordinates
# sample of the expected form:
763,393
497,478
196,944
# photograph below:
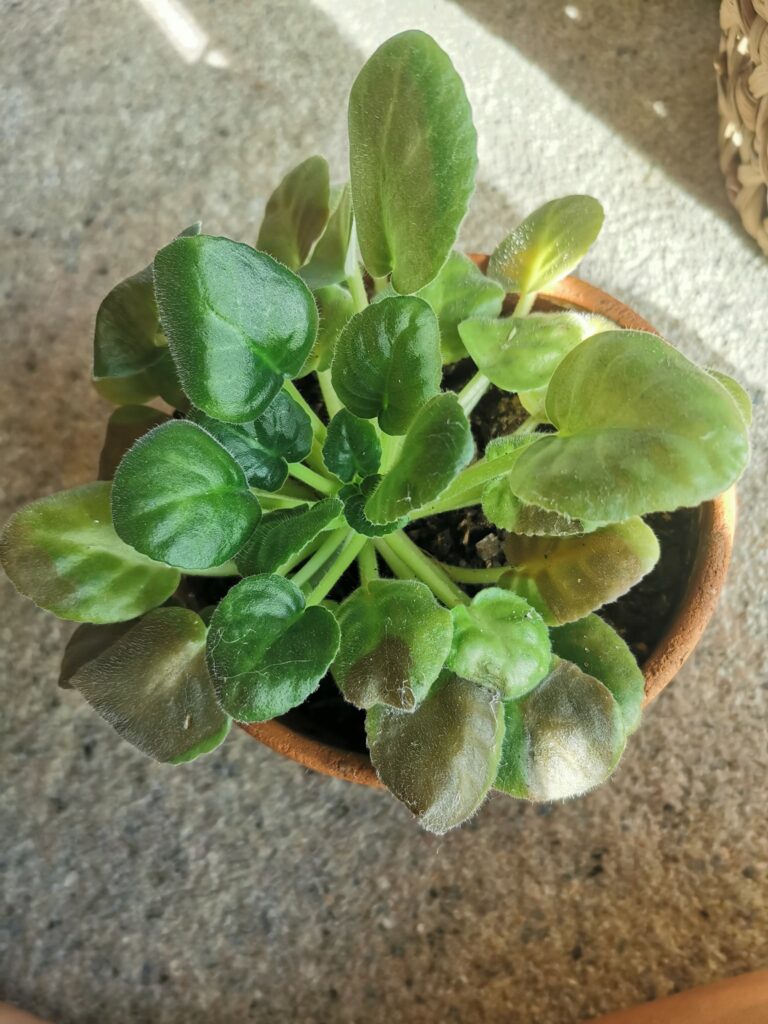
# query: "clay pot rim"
715,542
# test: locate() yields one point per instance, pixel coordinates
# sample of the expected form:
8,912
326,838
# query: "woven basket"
742,86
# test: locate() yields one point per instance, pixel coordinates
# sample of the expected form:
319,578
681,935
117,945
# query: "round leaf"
283,533
640,429
387,361
352,447
442,758
124,427
547,245
238,323
63,553
522,353
568,577
181,498
263,449
266,651
499,642
436,448
152,686
296,213
459,291
597,649
335,307
395,638
561,740
412,159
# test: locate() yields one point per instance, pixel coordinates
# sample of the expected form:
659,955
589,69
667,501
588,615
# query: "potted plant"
397,500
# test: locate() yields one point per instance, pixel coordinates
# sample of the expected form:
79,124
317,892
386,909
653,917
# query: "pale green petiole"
337,568
424,568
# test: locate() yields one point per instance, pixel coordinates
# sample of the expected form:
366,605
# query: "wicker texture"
742,68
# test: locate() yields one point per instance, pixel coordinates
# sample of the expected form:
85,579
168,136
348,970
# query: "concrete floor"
242,888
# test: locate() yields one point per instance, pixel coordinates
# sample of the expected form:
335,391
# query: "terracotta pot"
716,527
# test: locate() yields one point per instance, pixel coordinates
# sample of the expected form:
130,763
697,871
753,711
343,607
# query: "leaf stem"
328,548
476,387
474,576
270,501
318,427
424,568
299,556
225,569
380,284
356,286
528,426
332,401
366,561
308,476
467,488
354,545
390,449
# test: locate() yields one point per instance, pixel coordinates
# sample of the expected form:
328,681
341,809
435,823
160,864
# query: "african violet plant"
470,678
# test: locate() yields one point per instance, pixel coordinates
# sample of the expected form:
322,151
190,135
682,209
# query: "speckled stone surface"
242,888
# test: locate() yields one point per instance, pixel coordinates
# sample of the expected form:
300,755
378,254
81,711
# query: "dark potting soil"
466,538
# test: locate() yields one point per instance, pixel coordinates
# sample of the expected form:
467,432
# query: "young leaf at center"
296,213
283,533
352,447
266,650
395,638
181,498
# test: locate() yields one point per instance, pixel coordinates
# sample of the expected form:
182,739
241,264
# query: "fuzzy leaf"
562,739
352,447
355,497
62,552
437,447
263,449
640,429
395,638
459,291
332,258
86,643
387,362
413,156
238,323
565,578
125,426
597,649
181,498
549,244
504,509
737,393
152,686
499,642
442,758
522,353
266,651
283,533
335,307
296,213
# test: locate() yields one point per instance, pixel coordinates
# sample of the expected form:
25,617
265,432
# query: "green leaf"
266,651
263,449
63,553
395,638
296,213
565,578
335,307
504,509
352,447
355,497
332,258
640,429
737,393
181,498
152,686
499,642
562,739
437,447
534,403
86,643
442,758
597,649
124,427
459,291
412,159
283,533
522,353
549,244
387,362
238,323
